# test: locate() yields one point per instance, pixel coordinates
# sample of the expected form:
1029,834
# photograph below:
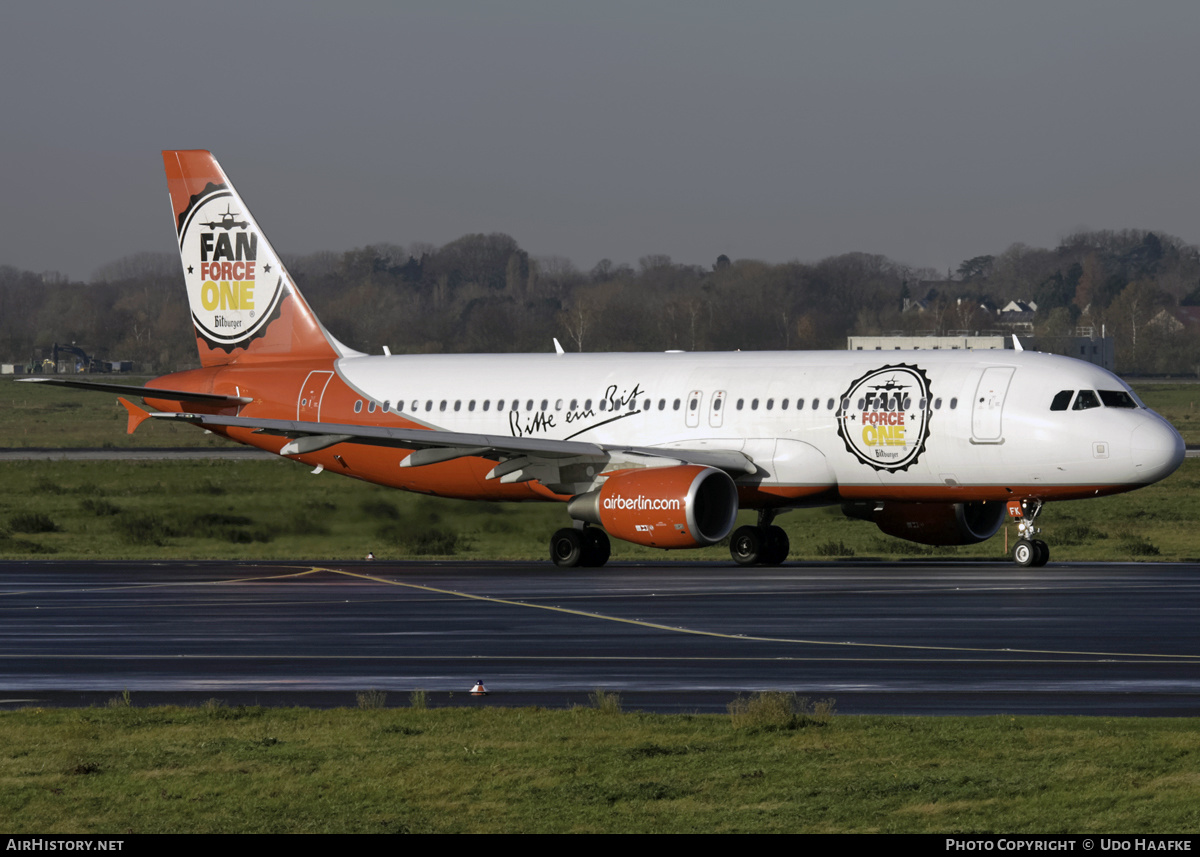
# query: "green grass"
1178,403
497,770
279,510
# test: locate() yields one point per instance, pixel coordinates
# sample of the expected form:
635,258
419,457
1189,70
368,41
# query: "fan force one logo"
233,281
884,417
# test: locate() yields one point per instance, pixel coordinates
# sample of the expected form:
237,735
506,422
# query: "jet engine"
683,506
933,523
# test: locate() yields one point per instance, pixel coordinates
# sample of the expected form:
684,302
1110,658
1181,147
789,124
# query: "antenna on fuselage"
1017,343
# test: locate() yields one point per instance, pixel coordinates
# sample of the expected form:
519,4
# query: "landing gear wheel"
777,546
566,547
746,546
1025,554
1028,550
596,548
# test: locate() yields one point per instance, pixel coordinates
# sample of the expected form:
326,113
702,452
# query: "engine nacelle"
933,523
685,506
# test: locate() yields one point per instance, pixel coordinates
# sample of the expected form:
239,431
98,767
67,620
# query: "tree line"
483,293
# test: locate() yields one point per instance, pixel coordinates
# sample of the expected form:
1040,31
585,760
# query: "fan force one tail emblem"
884,417
233,281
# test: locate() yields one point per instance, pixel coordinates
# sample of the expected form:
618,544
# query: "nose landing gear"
1028,551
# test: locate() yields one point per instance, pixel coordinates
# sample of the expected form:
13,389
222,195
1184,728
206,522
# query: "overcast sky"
926,131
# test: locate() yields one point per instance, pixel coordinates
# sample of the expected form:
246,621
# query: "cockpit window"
1117,399
1062,400
1086,399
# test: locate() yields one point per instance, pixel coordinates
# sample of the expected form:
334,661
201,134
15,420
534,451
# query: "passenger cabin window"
1117,399
1062,400
1086,399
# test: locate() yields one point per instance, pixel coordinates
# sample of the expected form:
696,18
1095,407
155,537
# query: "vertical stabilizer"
245,307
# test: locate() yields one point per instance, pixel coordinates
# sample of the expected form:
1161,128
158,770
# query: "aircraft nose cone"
1157,450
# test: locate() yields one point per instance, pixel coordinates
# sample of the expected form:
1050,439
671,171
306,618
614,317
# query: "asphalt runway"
888,638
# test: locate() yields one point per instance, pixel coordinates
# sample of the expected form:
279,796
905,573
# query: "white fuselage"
987,418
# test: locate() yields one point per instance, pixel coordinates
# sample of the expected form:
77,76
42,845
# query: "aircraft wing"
143,392
523,458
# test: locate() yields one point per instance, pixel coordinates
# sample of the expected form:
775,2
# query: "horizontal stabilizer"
137,416
143,392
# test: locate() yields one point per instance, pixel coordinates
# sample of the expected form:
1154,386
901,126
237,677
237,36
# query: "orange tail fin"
245,307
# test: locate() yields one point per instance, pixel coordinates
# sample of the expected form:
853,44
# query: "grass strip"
278,510
770,766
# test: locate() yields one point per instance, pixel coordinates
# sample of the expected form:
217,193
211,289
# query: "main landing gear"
572,547
761,545
1028,551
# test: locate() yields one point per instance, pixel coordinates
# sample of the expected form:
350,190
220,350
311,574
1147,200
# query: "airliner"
662,450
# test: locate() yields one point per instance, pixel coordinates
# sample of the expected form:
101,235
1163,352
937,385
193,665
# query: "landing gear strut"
761,545
1028,551
572,547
